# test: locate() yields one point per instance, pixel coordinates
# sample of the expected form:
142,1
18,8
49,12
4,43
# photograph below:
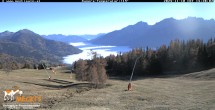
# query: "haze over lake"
101,50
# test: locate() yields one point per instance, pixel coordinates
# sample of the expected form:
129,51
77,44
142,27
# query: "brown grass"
180,93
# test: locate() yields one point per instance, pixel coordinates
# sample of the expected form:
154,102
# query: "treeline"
178,57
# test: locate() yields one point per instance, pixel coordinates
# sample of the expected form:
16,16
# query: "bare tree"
92,71
80,70
101,71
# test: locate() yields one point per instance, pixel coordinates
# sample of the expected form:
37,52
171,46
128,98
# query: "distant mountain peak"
194,18
6,33
167,20
25,31
142,35
170,18
138,25
141,23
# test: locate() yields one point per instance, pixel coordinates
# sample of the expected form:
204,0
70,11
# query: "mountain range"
27,44
64,38
141,34
91,37
71,38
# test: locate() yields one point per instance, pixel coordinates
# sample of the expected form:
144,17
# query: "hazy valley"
172,62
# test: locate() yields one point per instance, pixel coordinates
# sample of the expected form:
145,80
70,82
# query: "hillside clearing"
63,92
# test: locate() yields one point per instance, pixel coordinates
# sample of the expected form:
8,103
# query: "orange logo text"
29,99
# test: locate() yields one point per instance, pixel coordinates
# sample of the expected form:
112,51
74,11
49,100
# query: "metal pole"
129,84
134,68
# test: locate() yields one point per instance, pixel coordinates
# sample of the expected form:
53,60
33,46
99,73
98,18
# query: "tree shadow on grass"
62,85
66,71
59,81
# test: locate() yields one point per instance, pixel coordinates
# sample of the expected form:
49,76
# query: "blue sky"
93,18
